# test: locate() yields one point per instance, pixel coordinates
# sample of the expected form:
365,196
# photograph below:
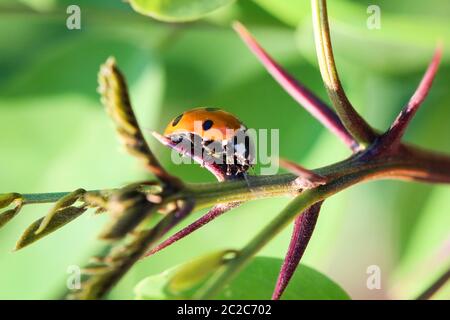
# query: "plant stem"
435,286
212,214
407,163
410,163
299,204
395,133
393,166
303,229
295,207
36,198
352,121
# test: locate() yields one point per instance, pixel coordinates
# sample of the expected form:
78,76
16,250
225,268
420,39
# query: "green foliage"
256,281
56,136
59,219
177,10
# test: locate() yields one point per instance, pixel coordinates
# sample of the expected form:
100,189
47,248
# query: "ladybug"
219,135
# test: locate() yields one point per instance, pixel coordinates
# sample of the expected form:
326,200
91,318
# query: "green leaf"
177,10
59,219
62,203
291,12
256,281
194,272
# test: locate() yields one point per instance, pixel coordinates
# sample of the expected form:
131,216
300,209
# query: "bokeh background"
55,135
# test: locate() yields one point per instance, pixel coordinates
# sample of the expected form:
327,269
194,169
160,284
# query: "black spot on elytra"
176,120
211,109
207,124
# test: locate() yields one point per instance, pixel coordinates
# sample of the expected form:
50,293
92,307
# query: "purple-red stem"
394,135
435,287
215,212
303,230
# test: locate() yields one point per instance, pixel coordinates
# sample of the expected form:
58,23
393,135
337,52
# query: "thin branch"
376,169
224,276
435,286
424,165
341,175
212,214
354,123
114,91
38,198
316,107
303,230
394,135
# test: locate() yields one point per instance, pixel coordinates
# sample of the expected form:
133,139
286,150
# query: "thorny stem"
294,208
411,164
394,135
212,214
331,121
358,168
352,121
377,161
340,176
373,159
407,163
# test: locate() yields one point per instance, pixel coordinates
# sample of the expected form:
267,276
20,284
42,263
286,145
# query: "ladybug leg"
206,151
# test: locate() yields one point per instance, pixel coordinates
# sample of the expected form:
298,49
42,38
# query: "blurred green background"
55,135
